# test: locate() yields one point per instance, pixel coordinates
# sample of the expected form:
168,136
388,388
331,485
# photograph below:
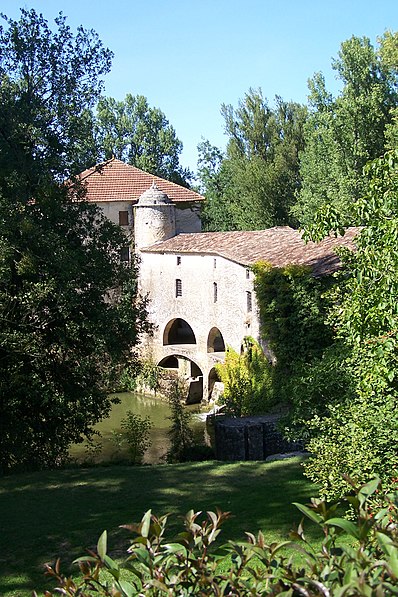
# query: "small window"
123,218
178,260
178,288
247,273
214,263
249,301
215,292
125,254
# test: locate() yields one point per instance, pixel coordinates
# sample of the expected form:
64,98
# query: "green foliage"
140,375
180,433
254,185
190,564
69,309
247,380
358,435
134,132
293,309
214,177
342,134
136,432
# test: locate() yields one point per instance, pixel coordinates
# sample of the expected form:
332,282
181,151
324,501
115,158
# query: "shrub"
136,433
247,380
180,433
188,565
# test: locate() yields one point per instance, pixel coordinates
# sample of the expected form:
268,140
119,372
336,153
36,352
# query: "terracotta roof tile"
116,181
279,246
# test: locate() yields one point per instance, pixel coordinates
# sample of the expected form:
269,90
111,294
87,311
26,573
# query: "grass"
60,513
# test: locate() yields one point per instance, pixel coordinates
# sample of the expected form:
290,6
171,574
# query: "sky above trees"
189,57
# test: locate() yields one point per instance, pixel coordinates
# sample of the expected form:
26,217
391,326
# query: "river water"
157,409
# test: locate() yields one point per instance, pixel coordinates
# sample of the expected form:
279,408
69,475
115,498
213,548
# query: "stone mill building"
199,284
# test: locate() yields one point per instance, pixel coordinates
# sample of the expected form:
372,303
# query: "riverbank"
60,513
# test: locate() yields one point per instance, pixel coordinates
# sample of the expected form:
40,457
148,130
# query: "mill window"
123,218
178,260
215,292
125,254
249,301
178,287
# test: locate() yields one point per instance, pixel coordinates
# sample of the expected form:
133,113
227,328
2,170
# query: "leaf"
175,548
368,489
308,512
85,559
101,545
385,542
393,562
128,589
146,523
349,527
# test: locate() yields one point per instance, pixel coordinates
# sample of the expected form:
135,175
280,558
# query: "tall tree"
68,308
358,433
258,179
342,134
134,132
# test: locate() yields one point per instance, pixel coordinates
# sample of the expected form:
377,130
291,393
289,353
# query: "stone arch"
178,331
188,370
214,384
170,362
215,341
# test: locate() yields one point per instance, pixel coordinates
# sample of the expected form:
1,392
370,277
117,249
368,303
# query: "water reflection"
157,409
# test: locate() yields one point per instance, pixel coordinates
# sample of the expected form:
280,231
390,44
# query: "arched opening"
169,363
215,386
178,331
215,341
188,371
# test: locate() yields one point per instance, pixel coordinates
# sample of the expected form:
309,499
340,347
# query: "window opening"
214,263
247,274
178,260
215,292
125,254
249,301
123,218
178,287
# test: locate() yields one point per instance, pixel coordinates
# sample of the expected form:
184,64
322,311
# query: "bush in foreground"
186,566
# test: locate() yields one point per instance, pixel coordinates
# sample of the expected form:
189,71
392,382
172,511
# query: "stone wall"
249,438
197,306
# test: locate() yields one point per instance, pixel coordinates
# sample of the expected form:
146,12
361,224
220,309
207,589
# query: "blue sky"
190,56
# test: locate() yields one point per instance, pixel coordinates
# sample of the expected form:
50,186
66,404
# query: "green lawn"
60,513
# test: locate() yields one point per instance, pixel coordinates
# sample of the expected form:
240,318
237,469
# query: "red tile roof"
279,246
116,181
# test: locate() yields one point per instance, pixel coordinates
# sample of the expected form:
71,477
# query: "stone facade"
209,294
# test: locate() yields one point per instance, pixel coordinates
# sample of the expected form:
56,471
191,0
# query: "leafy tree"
359,435
134,132
68,308
258,178
342,134
215,179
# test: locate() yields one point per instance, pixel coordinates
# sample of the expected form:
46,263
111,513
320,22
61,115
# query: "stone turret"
154,219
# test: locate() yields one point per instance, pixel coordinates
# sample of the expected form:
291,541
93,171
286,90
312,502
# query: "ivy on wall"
293,307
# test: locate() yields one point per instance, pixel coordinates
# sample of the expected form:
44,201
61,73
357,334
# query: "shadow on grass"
61,513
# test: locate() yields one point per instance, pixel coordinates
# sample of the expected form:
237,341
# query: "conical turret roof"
154,196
